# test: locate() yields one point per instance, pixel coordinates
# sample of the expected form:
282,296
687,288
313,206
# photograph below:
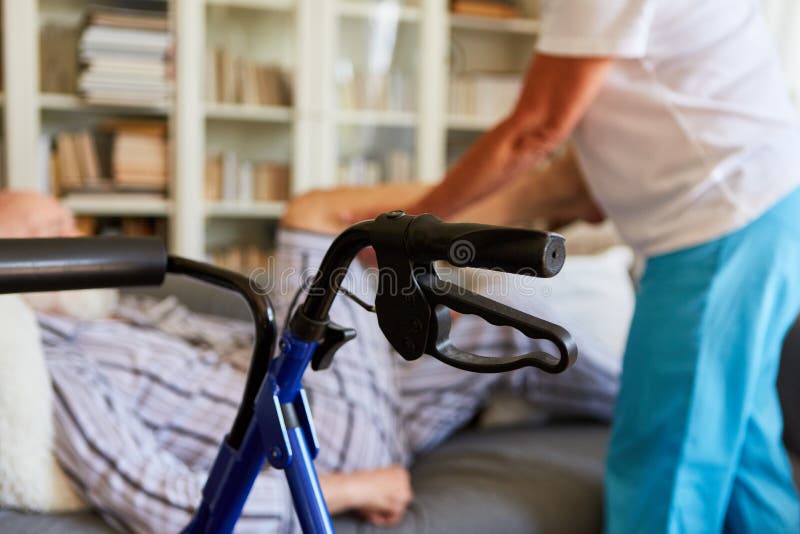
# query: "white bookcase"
402,48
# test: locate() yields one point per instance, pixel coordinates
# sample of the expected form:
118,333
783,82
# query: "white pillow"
30,476
597,293
592,296
83,304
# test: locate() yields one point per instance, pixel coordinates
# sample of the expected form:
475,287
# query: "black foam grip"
55,264
517,250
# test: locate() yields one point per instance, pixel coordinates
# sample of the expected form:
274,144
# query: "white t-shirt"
693,134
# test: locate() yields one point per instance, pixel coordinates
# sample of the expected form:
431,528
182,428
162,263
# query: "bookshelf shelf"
117,204
73,103
402,119
523,26
242,112
470,123
352,9
254,210
312,41
271,5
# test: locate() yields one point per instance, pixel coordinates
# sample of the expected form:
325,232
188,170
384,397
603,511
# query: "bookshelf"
326,134
243,112
520,25
254,210
372,10
65,102
487,58
115,205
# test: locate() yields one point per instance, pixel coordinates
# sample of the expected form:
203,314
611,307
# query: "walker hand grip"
446,296
54,264
518,250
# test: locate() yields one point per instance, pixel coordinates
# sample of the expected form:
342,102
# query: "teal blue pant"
696,441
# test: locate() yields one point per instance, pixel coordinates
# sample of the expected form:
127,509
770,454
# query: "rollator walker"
413,307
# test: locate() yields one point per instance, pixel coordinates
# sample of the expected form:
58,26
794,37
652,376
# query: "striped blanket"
142,401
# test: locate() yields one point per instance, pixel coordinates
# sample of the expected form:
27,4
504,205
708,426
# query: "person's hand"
381,496
30,214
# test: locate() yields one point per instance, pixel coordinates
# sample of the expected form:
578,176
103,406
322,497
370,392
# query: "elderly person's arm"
329,211
556,191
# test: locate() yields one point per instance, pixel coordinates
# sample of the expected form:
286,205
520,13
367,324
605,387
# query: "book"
244,187
241,257
139,159
230,176
486,8
58,59
127,18
272,181
488,95
213,183
236,80
394,91
126,53
87,158
211,76
69,169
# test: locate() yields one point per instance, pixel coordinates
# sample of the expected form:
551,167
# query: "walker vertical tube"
306,491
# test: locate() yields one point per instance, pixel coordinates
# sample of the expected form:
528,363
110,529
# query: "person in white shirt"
690,144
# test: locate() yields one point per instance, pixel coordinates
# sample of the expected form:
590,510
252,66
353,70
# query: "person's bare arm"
331,211
380,495
555,95
555,192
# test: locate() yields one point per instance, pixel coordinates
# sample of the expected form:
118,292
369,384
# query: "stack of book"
139,159
230,179
486,8
126,56
237,80
241,258
393,91
484,95
395,166
123,156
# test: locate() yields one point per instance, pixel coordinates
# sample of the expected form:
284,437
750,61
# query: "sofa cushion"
502,480
515,479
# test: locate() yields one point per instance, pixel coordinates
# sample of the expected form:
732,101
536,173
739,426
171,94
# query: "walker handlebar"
530,252
412,303
54,264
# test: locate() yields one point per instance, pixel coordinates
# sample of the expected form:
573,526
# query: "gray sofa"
527,478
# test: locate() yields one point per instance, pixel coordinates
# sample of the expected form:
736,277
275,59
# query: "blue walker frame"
289,446
274,423
281,430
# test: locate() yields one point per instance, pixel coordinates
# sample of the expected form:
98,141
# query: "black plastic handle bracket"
445,296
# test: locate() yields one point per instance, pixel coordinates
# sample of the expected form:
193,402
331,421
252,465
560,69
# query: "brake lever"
444,296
